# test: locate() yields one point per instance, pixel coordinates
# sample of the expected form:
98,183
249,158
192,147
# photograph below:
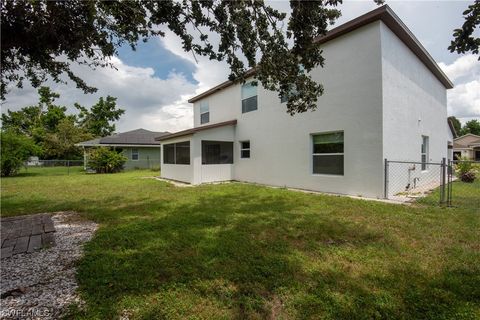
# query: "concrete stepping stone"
26,234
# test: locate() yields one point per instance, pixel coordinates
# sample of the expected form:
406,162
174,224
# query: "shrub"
15,150
104,160
465,170
468,177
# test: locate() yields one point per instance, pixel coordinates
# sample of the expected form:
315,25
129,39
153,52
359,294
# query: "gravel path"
40,285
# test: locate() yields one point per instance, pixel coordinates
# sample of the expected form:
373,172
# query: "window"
249,97
176,153
217,152
424,152
134,154
328,153
245,149
169,153
204,112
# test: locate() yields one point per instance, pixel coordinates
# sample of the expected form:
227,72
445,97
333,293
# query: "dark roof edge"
383,13
197,129
219,87
452,128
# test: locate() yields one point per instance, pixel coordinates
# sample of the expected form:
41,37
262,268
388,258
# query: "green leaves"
104,160
15,150
471,126
248,34
98,120
464,39
54,131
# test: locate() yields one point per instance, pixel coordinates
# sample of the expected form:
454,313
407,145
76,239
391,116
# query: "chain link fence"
445,181
406,181
463,183
52,167
66,167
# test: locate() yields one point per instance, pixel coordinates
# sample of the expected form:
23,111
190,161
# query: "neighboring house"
467,146
139,146
385,97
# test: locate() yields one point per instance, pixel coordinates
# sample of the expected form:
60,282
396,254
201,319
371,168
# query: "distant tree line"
471,126
48,131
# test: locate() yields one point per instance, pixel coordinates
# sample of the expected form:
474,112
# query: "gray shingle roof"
134,137
139,136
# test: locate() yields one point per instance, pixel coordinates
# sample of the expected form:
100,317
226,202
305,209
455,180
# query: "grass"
464,195
243,251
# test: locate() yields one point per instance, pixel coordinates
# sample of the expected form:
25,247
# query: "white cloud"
147,99
465,66
208,72
464,98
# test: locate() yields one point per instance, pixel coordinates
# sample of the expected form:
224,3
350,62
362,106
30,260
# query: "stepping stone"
26,234
21,245
48,226
35,243
37,229
6,252
9,243
48,239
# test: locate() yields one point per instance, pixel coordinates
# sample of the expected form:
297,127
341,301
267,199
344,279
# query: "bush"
465,170
468,177
104,160
15,150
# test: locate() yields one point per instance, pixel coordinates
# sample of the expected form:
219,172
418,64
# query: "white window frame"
204,104
131,154
326,154
425,152
245,149
248,97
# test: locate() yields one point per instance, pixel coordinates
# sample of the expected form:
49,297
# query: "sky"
154,82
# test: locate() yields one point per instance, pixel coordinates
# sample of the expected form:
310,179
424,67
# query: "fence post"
68,167
450,182
385,190
442,177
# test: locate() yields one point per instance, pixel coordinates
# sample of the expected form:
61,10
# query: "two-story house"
385,97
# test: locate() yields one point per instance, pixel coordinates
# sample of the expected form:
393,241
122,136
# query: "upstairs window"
245,149
249,97
134,154
176,153
424,152
204,112
328,153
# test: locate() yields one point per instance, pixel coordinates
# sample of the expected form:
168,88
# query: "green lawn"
242,251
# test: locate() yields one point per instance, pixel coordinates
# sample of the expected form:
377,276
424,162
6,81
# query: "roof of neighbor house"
134,137
458,143
389,18
197,129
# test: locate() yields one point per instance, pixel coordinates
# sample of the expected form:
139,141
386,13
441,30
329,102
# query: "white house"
385,98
